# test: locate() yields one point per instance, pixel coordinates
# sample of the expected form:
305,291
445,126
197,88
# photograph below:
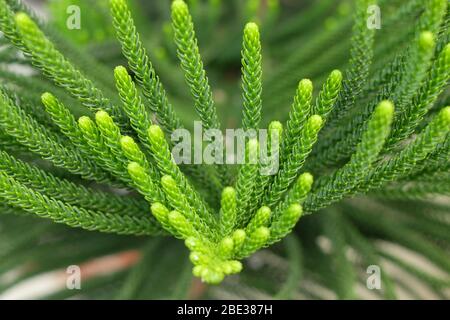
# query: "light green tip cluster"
315,122
128,142
285,223
445,114
251,31
336,76
426,40
214,257
180,7
23,20
228,192
276,126
305,85
132,151
103,117
385,107
307,179
120,72
48,99
86,123
155,132
135,169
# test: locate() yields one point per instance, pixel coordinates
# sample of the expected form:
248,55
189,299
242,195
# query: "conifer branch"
294,162
40,140
192,65
139,62
251,77
36,203
54,65
349,176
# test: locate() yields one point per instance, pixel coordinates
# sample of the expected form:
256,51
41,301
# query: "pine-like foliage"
86,139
